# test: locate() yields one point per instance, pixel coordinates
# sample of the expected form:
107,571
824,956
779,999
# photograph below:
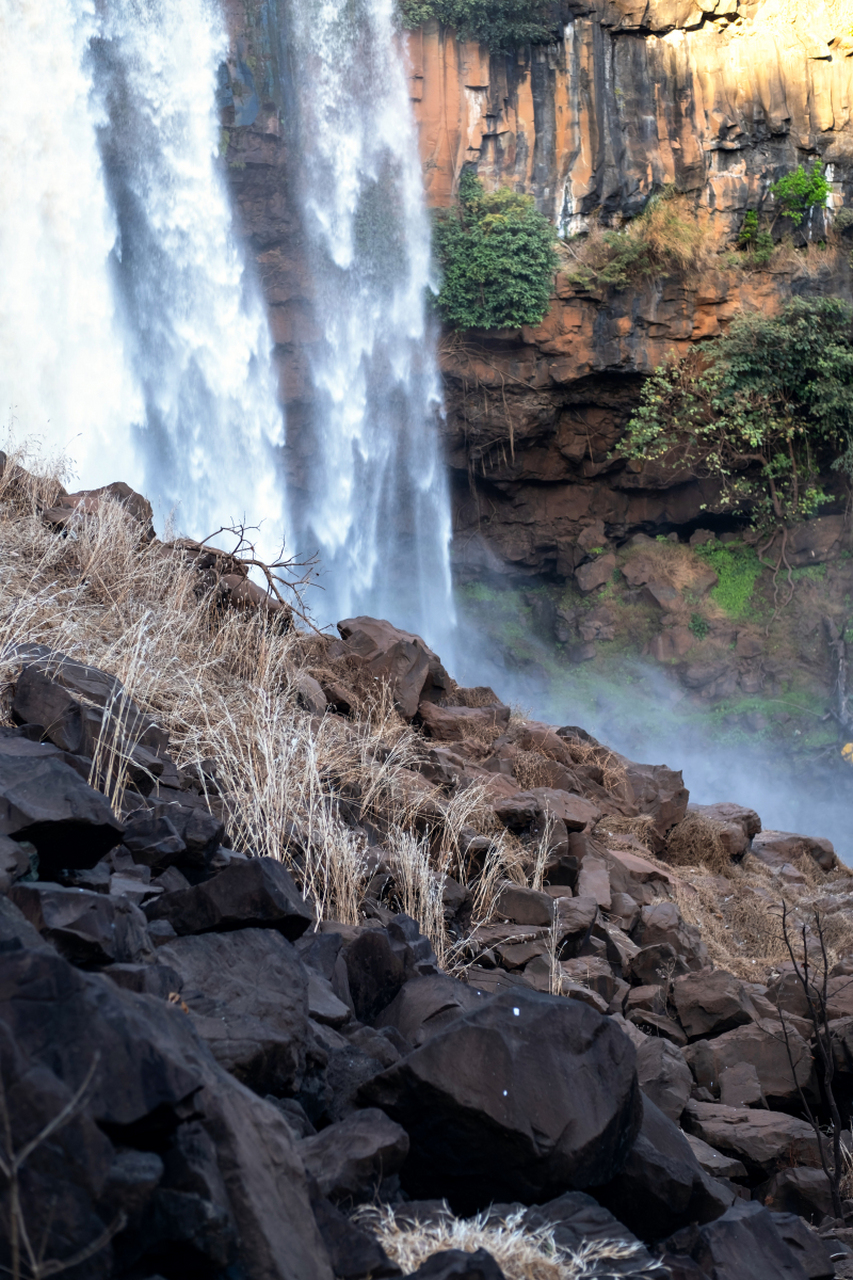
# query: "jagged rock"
763,1046
527,1093
379,961
349,1159
741,1087
524,906
662,925
43,801
576,1219
153,840
662,1186
803,1191
808,1248
595,572
71,507
529,809
653,965
594,881
780,848
424,1006
147,1063
762,1140
449,724
733,824
713,1162
664,1076
413,671
743,1243
15,861
354,1253
247,996
711,1002
635,876
249,892
323,1005
88,928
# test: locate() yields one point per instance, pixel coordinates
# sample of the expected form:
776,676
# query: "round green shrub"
497,259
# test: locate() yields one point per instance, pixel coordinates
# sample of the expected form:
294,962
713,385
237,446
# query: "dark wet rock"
250,892
711,1002
527,1094
762,1140
456,1264
350,1159
45,802
664,1076
247,996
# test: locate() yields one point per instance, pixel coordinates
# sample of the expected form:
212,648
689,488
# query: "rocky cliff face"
720,98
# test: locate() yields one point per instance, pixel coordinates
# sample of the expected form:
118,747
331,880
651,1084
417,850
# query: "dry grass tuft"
530,769
614,777
696,842
521,1254
626,833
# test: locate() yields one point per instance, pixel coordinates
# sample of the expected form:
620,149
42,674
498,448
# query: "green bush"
737,567
497,259
501,24
755,240
797,192
699,626
760,410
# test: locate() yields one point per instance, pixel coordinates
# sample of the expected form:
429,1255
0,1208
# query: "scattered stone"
711,1002
88,928
762,1140
664,1076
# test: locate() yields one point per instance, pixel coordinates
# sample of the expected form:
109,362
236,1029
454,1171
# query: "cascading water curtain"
65,378
201,345
373,497
130,334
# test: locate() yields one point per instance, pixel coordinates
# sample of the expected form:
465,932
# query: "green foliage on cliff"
503,25
759,410
797,192
737,567
497,259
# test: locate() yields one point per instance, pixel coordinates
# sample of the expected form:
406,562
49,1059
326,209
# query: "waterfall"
370,491
201,345
130,334
65,378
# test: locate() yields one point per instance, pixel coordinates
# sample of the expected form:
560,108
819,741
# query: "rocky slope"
299,938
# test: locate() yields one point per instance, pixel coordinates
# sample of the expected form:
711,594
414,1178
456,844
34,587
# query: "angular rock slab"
88,928
251,891
524,1098
246,992
44,801
412,670
763,1140
349,1159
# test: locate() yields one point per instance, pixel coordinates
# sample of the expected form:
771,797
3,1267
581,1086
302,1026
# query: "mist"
646,717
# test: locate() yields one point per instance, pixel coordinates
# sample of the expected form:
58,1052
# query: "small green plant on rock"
699,626
798,192
497,258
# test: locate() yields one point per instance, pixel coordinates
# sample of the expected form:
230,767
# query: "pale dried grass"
626,833
530,769
696,842
521,1254
588,753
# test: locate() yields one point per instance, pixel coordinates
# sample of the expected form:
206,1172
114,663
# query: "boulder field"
204,1073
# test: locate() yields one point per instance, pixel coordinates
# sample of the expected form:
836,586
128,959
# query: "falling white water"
130,335
373,496
201,346
64,374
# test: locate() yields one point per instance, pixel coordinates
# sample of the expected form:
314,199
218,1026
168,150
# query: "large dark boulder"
745,1243
662,1186
524,1098
44,801
256,892
457,1264
247,996
234,1185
